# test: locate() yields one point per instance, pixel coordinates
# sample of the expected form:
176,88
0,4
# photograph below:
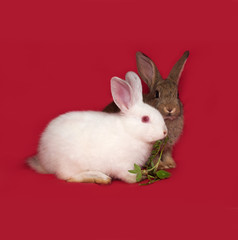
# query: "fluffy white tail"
33,162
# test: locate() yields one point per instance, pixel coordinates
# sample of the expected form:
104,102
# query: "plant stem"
161,152
155,154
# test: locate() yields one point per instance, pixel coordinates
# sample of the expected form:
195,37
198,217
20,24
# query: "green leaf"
163,174
148,183
137,168
144,184
132,171
138,177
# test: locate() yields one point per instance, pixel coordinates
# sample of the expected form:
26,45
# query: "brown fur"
167,100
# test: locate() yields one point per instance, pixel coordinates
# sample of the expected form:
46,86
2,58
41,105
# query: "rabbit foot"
167,162
91,177
127,177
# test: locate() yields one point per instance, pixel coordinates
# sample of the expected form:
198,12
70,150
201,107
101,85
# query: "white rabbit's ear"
133,79
121,93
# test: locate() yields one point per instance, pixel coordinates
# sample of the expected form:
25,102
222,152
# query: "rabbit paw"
167,162
91,177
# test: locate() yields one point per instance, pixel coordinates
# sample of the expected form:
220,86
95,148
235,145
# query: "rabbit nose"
169,110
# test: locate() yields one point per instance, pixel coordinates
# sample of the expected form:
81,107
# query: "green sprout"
150,171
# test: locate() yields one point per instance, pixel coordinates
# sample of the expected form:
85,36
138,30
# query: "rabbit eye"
177,95
145,119
157,94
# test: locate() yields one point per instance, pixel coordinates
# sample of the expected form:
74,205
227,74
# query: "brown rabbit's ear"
177,69
147,70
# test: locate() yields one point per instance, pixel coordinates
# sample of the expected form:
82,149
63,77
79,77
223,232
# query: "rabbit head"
163,93
139,119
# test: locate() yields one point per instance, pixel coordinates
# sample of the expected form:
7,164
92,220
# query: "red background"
59,56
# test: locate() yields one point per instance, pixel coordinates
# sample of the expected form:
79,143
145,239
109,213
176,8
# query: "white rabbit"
88,146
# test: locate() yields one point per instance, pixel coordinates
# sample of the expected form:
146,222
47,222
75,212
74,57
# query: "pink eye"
145,119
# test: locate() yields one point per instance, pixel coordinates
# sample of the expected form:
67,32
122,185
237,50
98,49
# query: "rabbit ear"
177,69
147,70
134,81
121,93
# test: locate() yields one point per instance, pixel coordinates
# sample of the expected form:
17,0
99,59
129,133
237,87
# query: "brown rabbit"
163,95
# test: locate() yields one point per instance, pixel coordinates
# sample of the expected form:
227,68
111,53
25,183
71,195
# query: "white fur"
77,142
